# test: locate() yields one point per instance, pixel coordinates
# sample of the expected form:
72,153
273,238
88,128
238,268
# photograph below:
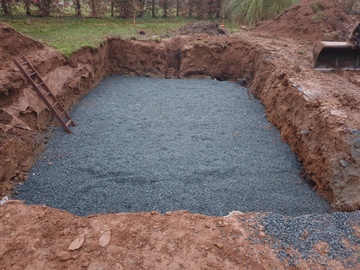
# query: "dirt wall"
330,157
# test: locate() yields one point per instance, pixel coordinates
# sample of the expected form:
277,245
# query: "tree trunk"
165,8
177,7
210,12
77,5
4,7
93,9
140,9
218,10
45,6
191,7
112,8
153,2
27,7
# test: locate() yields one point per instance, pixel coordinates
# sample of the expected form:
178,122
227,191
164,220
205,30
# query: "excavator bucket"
336,56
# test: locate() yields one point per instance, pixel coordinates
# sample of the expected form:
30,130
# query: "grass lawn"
69,34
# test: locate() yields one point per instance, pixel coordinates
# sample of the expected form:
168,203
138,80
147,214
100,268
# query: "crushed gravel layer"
145,144
333,234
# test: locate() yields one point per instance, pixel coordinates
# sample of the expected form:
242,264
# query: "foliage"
252,11
120,8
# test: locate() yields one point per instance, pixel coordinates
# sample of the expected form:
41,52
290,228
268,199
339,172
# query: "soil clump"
209,28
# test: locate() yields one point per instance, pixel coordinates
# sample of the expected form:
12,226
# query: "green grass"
70,34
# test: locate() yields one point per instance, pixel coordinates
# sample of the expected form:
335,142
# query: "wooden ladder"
51,101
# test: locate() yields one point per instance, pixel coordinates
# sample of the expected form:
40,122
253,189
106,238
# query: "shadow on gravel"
146,144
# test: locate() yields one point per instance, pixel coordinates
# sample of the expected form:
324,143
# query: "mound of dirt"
210,28
39,237
310,20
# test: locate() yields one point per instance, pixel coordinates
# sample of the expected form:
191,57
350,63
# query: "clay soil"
317,113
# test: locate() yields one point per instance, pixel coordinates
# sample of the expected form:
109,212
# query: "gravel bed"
146,144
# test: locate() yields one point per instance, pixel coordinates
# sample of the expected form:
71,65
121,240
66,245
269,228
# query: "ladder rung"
39,82
68,122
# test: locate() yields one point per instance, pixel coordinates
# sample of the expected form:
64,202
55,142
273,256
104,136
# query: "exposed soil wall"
321,128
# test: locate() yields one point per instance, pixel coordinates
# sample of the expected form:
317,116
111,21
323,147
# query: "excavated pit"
317,115
299,109
145,144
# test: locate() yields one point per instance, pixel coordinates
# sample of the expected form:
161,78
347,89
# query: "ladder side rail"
33,84
48,91
51,108
56,100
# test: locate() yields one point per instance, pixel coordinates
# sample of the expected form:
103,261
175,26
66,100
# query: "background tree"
166,6
140,7
182,7
190,4
200,9
151,5
77,6
4,7
252,11
43,6
27,6
125,8
219,4
98,8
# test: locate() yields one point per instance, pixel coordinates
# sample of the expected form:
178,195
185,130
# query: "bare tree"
190,7
44,7
125,8
218,8
27,5
77,6
4,7
151,6
97,7
178,8
140,7
165,5
93,8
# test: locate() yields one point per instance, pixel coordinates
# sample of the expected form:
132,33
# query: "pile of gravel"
334,232
146,144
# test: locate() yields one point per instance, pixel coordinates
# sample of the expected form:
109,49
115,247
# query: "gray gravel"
146,144
302,233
